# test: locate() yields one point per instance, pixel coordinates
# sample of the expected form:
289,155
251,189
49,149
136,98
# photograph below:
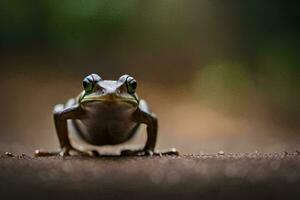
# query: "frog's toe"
94,153
64,153
148,153
171,152
70,151
41,153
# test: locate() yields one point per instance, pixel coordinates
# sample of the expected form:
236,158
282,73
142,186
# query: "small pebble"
23,155
221,153
9,154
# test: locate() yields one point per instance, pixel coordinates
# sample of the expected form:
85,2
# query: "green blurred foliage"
235,48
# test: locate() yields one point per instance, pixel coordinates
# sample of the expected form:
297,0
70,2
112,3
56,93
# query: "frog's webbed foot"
66,151
71,151
141,152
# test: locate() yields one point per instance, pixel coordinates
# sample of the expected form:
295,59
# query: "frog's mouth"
110,99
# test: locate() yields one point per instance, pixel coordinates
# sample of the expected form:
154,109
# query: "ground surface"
205,176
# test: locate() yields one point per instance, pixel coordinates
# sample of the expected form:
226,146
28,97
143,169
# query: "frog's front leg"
146,117
61,115
150,120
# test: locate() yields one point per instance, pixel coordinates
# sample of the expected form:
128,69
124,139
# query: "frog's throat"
109,99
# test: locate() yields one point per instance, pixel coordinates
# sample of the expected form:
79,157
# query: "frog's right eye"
89,82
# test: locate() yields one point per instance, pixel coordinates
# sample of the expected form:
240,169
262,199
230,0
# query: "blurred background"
219,75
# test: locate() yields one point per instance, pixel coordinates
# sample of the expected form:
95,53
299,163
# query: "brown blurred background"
220,75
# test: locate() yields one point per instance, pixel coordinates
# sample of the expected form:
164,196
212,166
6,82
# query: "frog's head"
120,91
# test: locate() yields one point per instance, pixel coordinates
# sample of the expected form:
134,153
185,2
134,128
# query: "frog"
106,112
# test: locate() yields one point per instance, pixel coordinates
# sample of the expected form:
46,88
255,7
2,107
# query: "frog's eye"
89,82
131,85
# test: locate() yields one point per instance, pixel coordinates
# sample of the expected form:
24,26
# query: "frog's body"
105,113
115,127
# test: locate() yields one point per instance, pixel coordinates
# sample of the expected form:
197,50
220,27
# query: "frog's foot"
65,151
71,151
42,153
142,152
171,152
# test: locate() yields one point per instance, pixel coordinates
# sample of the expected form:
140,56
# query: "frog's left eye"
131,85
89,82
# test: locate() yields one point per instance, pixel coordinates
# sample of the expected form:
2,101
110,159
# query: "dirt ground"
205,176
